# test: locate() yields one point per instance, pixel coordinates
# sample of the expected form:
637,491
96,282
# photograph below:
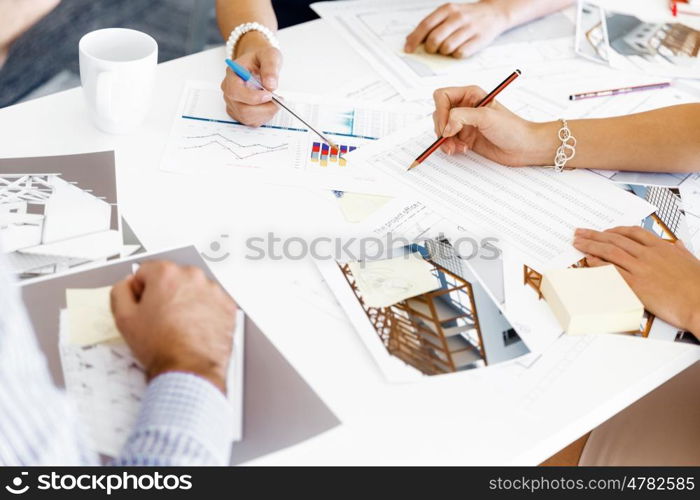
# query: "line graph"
237,149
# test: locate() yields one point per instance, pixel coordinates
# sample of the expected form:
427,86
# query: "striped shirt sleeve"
184,420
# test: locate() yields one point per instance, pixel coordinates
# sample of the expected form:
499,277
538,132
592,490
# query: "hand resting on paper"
661,140
664,275
175,319
459,29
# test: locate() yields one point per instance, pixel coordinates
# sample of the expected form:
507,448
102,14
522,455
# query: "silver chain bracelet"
567,150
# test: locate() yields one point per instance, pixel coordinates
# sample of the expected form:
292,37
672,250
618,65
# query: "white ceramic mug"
117,72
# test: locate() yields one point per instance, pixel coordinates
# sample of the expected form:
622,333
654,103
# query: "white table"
382,424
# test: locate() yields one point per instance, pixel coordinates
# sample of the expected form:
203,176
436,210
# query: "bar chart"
323,154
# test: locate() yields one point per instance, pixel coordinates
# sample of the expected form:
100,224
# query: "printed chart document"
535,210
378,30
204,138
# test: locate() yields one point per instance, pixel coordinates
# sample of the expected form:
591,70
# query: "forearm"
662,140
521,11
231,13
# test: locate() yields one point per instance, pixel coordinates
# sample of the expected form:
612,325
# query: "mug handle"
103,94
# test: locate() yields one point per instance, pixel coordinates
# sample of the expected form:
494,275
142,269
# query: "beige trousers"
662,428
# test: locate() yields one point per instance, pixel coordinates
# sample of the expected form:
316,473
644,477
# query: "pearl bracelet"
567,150
242,29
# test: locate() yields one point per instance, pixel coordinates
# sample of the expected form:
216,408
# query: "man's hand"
244,103
459,29
175,319
664,275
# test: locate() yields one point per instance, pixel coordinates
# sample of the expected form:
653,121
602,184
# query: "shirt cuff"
188,404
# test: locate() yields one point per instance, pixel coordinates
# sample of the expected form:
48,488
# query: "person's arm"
664,275
179,325
662,140
462,29
37,424
232,13
253,51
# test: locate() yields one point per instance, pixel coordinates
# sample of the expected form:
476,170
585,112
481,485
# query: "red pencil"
485,101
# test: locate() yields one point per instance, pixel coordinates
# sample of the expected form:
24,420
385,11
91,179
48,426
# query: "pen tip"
413,165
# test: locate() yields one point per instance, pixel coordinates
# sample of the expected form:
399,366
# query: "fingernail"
271,83
580,231
447,132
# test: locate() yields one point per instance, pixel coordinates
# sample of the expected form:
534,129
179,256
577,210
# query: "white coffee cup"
117,72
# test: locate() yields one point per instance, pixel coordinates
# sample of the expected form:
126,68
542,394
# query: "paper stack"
591,300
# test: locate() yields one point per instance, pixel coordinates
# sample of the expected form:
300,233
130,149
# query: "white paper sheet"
378,29
530,315
205,139
536,210
690,194
106,384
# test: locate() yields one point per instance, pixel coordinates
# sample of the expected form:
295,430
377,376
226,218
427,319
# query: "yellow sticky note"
591,300
385,282
90,319
356,207
437,62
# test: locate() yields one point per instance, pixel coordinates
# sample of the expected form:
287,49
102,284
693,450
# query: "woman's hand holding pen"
492,131
245,103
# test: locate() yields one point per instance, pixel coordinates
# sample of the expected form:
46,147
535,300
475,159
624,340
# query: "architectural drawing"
49,224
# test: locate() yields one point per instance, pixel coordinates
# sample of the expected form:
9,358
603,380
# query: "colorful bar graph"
323,154
315,149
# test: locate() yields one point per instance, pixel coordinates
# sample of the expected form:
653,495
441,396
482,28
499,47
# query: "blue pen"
247,76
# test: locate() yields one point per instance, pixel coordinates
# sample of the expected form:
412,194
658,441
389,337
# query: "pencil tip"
413,165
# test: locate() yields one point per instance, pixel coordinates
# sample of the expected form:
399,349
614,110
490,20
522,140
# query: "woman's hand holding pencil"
492,131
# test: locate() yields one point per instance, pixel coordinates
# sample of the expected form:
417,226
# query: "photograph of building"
453,328
631,36
56,216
